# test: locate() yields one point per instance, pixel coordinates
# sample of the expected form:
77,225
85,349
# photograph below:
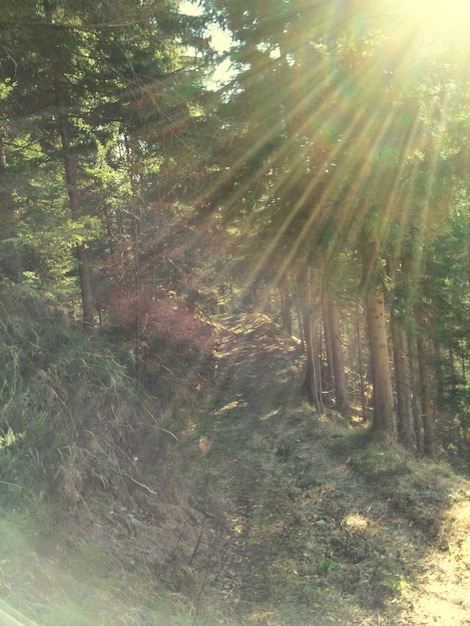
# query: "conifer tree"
83,75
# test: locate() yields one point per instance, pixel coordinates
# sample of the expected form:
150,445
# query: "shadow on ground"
326,526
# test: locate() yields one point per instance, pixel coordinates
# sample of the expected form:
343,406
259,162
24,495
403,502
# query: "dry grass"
234,506
98,493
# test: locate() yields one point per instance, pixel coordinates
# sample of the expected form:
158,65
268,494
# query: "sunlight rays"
355,153
445,19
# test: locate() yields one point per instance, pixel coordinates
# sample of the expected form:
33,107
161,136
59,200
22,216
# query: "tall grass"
90,468
56,388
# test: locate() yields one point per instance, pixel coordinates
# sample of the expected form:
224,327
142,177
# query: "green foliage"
325,566
9,439
110,82
6,86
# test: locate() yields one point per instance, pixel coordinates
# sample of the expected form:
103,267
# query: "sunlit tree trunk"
335,350
299,320
384,418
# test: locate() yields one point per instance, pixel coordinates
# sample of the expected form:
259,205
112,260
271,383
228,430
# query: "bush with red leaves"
150,314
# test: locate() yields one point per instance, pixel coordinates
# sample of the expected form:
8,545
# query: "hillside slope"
234,504
328,526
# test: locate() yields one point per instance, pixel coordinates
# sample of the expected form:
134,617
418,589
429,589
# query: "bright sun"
434,28
440,18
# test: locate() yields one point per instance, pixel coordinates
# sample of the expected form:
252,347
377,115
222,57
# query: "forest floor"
265,513
326,525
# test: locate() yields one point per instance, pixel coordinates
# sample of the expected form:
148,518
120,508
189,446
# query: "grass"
96,501
244,508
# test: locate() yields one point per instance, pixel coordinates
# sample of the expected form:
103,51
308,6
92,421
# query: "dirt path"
325,527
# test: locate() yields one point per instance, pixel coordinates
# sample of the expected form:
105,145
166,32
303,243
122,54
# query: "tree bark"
335,353
416,394
286,309
312,384
329,378
384,418
406,433
360,367
3,158
71,180
425,374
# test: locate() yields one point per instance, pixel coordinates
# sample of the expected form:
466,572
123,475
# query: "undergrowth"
224,501
96,487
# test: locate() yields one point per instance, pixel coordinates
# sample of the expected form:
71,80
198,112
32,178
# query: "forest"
234,311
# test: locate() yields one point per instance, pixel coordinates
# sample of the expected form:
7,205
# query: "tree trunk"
329,379
416,394
406,433
360,366
424,356
3,158
71,180
299,320
384,418
335,350
312,386
286,309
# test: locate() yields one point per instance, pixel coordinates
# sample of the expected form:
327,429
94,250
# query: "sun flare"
446,19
